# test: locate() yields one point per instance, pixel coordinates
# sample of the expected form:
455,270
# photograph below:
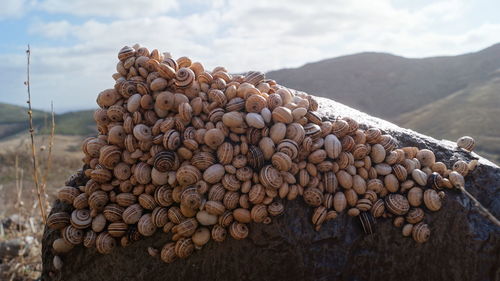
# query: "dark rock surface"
464,245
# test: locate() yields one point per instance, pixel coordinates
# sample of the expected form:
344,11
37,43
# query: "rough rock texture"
464,245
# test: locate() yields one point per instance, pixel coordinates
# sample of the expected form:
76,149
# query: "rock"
10,248
464,245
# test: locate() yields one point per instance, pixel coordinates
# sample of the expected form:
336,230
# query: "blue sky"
74,43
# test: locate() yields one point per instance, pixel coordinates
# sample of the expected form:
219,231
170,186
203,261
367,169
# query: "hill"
428,95
14,119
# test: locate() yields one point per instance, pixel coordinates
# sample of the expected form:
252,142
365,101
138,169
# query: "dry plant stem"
49,156
481,208
32,135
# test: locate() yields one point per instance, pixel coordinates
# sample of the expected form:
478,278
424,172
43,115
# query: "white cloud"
14,8
261,35
108,8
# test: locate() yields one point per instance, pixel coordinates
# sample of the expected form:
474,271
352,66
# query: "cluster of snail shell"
202,154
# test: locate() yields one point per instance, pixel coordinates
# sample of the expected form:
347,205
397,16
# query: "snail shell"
147,201
457,179
117,229
89,239
68,194
98,200
275,208
435,181
171,140
289,147
219,233
426,157
339,202
190,198
415,196
98,223
188,174
164,196
461,167
367,222
466,142
201,236
313,196
421,232
60,246
419,176
415,215
242,215
432,200
184,247
125,199
397,204
255,157
259,213
282,115
58,220
72,235
215,208
105,243
255,104
205,218
159,216
319,215
214,137
333,146
364,204
238,230
174,215
184,77
132,214
270,177
167,254
186,228
378,208
81,219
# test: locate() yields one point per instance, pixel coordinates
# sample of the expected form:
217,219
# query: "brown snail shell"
367,222
188,174
72,235
205,218
432,200
313,196
68,194
186,228
421,232
215,208
457,179
201,236
238,230
132,214
167,254
275,208
105,243
219,233
184,247
339,202
466,142
190,198
259,213
60,246
166,161
415,196
270,177
58,220
397,204
159,216
98,200
461,167
378,208
415,215
117,229
81,219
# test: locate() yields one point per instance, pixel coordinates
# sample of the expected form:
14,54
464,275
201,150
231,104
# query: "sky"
74,44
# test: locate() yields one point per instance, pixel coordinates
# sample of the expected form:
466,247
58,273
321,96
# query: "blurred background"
432,66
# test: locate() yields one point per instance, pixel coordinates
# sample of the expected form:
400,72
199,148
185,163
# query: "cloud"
14,8
259,35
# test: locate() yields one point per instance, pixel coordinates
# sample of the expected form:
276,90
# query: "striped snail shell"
58,220
388,142
254,77
186,228
461,167
187,175
457,179
105,243
147,201
397,204
191,198
238,230
270,177
215,207
184,247
125,53
113,212
255,157
319,215
415,196
259,213
117,229
364,204
184,77
68,194
171,139
421,232
174,215
146,226
282,115
89,239
231,199
125,199
289,147
165,71
466,142
216,192
339,202
72,235
214,137
225,153
367,222
81,219
313,196
203,160
166,161
378,208
415,215
101,175
93,146
313,131
219,233
142,173
435,181
432,200
275,208
420,177
255,103
132,214
426,157
164,196
373,135
159,216
109,156
167,254
98,200
281,161
295,132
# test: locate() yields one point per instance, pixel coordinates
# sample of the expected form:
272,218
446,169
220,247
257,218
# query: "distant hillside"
14,120
445,97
